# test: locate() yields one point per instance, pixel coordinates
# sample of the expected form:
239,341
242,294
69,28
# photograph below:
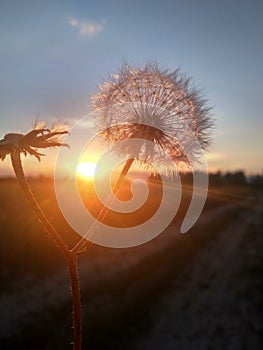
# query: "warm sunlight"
87,169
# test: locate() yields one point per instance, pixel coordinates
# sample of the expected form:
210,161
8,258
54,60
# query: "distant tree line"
236,178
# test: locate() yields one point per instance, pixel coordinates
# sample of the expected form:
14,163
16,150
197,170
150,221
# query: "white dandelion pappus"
160,107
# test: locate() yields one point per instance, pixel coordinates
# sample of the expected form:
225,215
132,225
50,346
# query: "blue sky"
55,53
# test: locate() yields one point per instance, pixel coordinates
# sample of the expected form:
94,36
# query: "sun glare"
87,169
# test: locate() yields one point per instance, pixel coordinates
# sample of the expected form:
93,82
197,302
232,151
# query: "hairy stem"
76,301
50,230
82,244
124,172
70,257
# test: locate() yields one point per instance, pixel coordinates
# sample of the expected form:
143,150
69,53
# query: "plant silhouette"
144,103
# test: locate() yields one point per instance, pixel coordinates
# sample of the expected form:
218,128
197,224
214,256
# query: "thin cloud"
87,28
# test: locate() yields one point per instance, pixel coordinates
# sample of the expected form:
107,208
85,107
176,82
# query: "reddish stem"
70,256
76,301
82,244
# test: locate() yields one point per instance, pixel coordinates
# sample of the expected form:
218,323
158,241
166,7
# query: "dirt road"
217,301
173,293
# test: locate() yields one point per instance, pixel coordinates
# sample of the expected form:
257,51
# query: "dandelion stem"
50,230
76,301
70,257
82,244
124,172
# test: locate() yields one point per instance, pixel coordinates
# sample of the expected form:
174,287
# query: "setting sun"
87,169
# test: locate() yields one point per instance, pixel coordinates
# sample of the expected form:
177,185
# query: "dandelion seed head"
149,103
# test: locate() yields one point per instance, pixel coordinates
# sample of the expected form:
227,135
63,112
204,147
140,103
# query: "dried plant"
39,137
152,104
14,144
162,111
144,103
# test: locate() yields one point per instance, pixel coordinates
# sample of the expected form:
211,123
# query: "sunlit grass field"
120,287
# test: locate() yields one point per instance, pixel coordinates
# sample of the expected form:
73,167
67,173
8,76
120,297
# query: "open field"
202,290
